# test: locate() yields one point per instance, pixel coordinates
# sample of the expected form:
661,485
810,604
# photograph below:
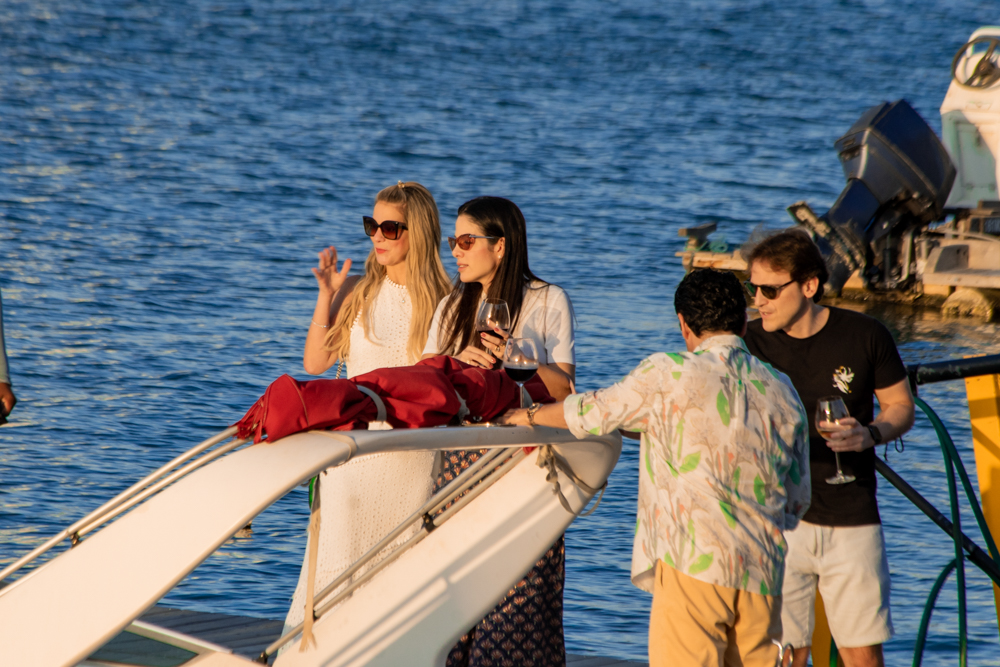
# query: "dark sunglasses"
769,291
390,228
466,241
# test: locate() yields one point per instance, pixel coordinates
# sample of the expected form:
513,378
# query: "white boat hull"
409,614
413,613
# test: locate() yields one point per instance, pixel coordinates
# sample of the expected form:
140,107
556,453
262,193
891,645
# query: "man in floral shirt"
723,471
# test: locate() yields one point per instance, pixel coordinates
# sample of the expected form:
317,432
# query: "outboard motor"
898,179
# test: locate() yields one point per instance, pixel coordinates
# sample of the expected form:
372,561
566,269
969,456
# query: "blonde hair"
426,280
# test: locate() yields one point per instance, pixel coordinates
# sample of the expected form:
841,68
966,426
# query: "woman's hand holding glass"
495,342
486,358
328,278
492,323
476,356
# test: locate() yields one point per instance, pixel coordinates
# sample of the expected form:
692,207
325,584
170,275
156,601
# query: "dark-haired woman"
491,248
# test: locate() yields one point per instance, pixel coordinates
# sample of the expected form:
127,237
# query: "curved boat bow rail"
132,496
443,505
439,580
476,479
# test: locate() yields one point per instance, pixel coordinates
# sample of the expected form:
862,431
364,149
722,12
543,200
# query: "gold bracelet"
531,413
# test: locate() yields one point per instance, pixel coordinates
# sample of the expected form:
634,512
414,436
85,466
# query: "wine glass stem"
840,473
520,393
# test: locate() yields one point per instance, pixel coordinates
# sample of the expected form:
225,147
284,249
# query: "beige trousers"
695,623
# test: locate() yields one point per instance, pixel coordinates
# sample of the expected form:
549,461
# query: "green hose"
950,451
925,620
953,463
956,517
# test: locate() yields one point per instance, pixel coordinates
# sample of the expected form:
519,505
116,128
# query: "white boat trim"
85,596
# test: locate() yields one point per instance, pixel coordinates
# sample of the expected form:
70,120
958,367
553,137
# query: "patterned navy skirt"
525,629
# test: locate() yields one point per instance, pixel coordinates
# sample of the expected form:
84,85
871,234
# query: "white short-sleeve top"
546,318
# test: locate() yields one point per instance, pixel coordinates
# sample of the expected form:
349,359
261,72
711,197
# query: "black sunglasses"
769,291
390,228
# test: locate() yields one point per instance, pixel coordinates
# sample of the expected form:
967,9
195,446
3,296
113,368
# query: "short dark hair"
794,252
711,300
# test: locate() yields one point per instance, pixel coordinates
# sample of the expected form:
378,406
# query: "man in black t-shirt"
839,544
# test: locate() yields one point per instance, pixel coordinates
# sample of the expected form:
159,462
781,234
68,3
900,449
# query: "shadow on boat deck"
248,636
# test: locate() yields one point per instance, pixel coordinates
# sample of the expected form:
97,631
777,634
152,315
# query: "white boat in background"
408,609
919,219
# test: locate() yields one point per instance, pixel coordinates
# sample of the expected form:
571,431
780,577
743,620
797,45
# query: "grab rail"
132,495
431,515
965,548
952,369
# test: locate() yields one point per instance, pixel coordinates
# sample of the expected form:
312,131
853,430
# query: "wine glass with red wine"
829,411
493,313
520,362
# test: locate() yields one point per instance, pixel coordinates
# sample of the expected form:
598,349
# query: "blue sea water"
169,170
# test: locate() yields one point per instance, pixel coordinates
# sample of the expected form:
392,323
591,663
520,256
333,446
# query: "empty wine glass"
520,362
493,313
829,411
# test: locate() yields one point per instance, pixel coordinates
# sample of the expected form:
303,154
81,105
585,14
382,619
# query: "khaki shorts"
696,623
850,566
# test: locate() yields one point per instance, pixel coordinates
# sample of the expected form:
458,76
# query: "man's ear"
685,329
810,287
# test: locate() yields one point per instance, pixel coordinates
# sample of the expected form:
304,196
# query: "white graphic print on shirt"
842,378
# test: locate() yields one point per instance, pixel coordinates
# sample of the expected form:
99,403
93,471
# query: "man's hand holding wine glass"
847,435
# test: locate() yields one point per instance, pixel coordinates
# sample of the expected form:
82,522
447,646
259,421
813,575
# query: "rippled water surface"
169,170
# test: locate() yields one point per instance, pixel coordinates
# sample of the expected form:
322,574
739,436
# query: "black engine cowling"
899,176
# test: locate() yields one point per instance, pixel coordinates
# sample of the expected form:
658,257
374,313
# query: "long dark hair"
498,217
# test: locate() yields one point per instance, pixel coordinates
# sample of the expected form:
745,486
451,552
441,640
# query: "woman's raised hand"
328,277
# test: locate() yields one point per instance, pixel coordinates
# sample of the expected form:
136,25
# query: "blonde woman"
379,320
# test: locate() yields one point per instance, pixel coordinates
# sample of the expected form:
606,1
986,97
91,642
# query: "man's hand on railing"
7,400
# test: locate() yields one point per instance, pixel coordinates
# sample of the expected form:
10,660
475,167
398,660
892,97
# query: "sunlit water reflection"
170,170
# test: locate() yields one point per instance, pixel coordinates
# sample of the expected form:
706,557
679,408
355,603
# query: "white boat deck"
245,635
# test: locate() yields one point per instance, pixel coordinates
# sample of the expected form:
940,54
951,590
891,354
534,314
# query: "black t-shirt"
851,357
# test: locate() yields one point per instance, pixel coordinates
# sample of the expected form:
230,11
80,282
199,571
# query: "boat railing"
448,501
505,449
135,494
965,547
435,512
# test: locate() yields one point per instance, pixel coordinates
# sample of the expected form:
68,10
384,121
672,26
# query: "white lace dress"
364,499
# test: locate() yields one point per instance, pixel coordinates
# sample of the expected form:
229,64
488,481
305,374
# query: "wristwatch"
531,413
876,434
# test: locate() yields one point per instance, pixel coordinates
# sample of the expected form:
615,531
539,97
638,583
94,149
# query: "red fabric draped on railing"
414,396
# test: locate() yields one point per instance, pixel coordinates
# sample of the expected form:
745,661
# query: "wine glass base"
840,478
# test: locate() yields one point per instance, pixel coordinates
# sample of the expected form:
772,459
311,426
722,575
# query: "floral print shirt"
723,467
